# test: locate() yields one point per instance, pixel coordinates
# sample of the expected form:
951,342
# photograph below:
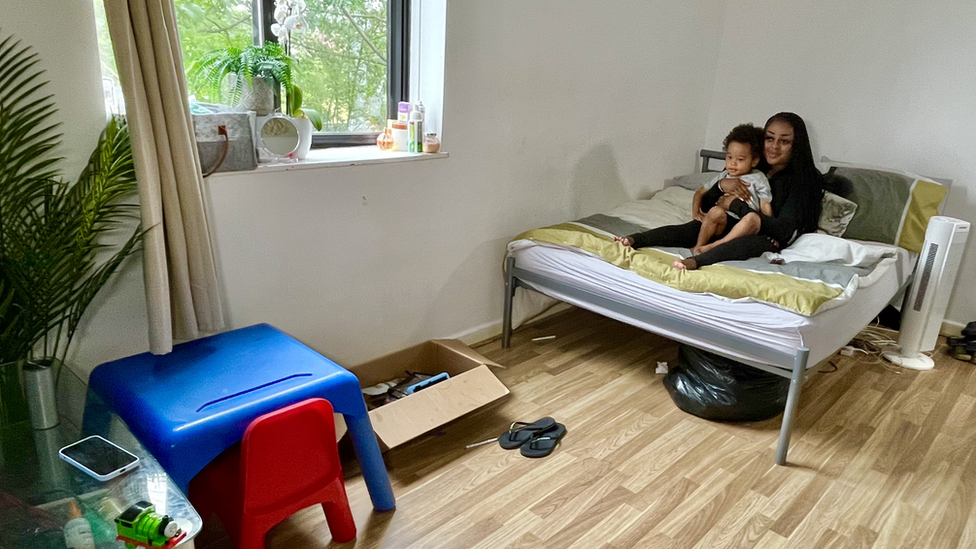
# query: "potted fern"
256,72
53,257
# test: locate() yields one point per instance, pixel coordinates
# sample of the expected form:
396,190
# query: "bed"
776,334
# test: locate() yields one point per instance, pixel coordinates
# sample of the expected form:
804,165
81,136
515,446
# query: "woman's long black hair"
807,180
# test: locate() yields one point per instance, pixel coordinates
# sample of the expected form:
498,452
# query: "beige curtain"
180,272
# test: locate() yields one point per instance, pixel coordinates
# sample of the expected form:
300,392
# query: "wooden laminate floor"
881,458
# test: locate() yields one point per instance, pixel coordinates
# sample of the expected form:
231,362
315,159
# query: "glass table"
37,486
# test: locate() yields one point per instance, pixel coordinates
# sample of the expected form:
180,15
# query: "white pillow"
823,248
836,215
691,181
670,206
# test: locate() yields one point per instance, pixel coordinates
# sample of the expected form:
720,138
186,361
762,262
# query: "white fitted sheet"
769,326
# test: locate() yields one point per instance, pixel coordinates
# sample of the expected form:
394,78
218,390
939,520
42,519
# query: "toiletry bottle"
77,531
400,137
403,111
431,143
421,127
385,140
415,132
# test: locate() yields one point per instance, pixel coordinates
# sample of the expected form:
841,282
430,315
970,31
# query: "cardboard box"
471,386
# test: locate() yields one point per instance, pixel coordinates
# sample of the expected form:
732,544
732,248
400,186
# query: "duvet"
818,272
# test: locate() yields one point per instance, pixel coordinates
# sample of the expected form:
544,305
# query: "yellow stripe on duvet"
799,295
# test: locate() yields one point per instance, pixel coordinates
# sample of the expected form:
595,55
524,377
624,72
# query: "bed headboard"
707,156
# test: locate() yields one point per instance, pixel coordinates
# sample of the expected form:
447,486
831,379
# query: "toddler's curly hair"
747,134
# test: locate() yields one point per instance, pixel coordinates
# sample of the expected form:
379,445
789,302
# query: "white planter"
305,129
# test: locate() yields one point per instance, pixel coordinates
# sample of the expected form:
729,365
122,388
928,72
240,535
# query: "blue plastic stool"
189,406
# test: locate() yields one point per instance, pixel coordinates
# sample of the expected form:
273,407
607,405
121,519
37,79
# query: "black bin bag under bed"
714,387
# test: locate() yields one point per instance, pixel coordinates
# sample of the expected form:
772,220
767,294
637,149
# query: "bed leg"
792,401
507,306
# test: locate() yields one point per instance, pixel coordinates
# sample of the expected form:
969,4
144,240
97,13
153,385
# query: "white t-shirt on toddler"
758,186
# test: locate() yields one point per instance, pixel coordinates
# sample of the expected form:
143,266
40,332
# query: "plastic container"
431,143
77,531
403,111
401,137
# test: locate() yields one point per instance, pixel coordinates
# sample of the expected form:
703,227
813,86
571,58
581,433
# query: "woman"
797,189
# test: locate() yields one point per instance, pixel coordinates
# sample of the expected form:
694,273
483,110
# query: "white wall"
552,109
888,83
63,35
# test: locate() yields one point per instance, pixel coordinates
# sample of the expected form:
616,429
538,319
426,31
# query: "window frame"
397,68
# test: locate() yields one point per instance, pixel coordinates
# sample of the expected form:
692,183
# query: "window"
351,62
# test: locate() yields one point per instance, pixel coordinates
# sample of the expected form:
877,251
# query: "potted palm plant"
53,257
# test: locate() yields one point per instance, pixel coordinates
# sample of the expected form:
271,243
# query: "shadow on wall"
596,185
484,260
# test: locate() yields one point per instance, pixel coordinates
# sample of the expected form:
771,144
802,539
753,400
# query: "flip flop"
520,432
965,353
958,341
542,445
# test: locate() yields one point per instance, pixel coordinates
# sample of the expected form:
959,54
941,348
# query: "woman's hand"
736,187
725,201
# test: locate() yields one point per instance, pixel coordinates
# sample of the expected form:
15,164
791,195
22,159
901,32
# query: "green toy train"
141,526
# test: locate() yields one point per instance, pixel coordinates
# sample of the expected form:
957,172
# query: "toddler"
743,151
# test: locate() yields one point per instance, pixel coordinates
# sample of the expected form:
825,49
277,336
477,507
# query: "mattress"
771,327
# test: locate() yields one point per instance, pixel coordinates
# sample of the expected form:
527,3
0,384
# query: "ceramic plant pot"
305,129
258,97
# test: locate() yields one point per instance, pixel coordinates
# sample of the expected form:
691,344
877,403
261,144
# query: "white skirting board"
951,329
494,329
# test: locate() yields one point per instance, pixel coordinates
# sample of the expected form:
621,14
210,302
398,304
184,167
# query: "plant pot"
38,376
258,96
305,128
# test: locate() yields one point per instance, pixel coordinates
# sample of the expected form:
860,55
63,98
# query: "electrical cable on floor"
832,364
871,342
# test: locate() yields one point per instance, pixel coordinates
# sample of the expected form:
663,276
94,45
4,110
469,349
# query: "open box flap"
462,349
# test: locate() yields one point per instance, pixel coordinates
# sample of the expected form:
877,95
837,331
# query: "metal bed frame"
792,366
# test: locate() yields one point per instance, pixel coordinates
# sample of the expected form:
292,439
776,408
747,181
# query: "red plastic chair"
288,460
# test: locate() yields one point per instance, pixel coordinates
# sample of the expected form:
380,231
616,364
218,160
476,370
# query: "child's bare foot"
689,264
625,240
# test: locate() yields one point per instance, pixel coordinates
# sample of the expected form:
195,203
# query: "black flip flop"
520,432
542,445
965,353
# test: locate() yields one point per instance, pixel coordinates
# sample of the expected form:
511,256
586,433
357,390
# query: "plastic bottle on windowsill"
415,128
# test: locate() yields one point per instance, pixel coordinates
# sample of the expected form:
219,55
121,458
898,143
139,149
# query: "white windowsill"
338,157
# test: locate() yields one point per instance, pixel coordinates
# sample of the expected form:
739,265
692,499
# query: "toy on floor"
141,526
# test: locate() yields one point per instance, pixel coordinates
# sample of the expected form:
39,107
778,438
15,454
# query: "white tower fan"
926,301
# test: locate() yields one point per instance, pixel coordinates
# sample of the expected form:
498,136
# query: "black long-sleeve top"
787,207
